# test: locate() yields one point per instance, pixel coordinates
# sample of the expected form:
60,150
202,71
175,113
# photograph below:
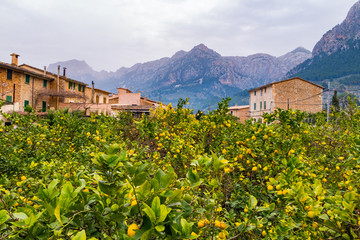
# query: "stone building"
23,85
294,93
241,112
126,100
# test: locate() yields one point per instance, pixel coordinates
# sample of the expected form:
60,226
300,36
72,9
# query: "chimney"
64,71
14,59
92,91
44,70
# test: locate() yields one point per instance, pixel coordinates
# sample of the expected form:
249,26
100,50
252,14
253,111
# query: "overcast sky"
109,34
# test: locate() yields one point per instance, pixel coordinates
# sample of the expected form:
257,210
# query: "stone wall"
298,94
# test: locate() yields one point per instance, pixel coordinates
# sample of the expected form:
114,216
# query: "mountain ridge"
200,74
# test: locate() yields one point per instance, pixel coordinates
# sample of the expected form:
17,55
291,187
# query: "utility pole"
328,102
288,104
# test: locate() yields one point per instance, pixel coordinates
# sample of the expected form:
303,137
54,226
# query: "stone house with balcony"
295,93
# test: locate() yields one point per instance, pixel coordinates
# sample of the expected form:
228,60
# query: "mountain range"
205,76
336,57
200,74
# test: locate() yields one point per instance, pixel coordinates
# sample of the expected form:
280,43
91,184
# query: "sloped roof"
239,107
53,74
285,80
25,71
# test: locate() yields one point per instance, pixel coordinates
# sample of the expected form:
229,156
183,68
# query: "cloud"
113,33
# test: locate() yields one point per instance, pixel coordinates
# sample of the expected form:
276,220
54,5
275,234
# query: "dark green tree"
335,103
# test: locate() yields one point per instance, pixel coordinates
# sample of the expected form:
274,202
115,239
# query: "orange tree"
175,175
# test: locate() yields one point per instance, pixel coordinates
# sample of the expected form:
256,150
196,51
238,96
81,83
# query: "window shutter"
9,74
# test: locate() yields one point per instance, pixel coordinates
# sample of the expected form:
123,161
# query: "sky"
109,34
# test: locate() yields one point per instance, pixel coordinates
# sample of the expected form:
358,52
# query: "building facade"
294,93
126,100
241,112
23,85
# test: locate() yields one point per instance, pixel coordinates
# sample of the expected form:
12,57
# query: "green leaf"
164,211
144,190
155,184
67,195
112,160
164,179
186,227
318,189
349,206
81,187
80,236
146,235
149,212
3,216
349,196
106,187
57,213
160,228
186,208
53,184
31,220
176,197
272,207
20,215
252,202
140,178
346,236
113,149
324,217
155,206
194,178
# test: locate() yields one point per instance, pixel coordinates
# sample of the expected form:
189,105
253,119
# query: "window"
27,79
79,88
8,98
43,109
264,104
254,106
69,85
261,92
45,83
83,88
74,85
9,74
255,93
26,102
265,90
260,105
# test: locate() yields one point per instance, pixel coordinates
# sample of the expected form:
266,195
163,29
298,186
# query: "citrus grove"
178,175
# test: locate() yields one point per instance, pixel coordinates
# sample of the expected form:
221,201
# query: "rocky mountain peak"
74,66
201,50
338,37
300,50
354,12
